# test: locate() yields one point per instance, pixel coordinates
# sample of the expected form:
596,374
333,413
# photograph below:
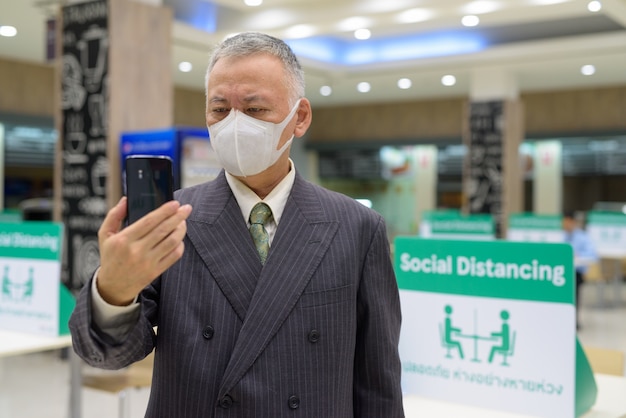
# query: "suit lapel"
216,218
303,237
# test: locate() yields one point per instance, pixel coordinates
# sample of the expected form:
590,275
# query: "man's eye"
254,110
220,110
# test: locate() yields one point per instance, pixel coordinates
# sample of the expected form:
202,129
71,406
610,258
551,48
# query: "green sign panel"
32,298
535,272
40,240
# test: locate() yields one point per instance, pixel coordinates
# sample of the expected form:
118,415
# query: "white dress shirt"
115,321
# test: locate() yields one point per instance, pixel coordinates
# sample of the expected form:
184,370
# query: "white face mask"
246,146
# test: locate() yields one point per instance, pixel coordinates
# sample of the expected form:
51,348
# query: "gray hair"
250,43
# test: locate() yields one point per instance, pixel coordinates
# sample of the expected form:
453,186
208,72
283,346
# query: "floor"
36,385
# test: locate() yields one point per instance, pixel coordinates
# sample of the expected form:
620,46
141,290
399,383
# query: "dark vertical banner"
484,180
84,100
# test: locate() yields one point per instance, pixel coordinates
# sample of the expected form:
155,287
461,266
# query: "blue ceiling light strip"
318,48
333,51
198,14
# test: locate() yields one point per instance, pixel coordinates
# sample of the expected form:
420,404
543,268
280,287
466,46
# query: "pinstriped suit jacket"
314,333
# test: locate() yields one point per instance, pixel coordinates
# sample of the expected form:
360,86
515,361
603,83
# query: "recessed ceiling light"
404,83
353,23
415,15
588,69
253,3
8,31
362,34
470,21
594,6
300,31
364,87
448,80
326,91
185,66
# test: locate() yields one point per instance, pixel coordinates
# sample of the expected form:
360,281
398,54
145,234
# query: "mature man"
287,308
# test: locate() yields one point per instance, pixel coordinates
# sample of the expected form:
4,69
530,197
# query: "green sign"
531,221
528,227
607,230
607,218
453,224
491,324
41,240
491,268
32,297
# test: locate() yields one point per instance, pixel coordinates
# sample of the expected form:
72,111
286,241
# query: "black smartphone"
149,184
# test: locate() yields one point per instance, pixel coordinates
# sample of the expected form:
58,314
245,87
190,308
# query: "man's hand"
131,258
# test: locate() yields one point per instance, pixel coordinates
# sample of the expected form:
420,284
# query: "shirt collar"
276,199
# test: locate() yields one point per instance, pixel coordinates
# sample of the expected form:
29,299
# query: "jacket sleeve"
377,370
98,349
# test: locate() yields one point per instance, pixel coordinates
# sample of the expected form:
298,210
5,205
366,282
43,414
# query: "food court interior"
392,85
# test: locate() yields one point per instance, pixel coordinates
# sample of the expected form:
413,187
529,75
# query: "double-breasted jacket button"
226,402
208,332
96,357
314,336
294,402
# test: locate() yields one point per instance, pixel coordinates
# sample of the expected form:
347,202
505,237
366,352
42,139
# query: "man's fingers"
164,229
170,242
144,226
113,221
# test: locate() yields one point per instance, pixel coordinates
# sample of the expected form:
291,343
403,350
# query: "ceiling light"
8,31
185,66
253,3
364,87
470,20
300,31
414,15
362,34
326,91
404,83
588,69
594,6
448,80
353,23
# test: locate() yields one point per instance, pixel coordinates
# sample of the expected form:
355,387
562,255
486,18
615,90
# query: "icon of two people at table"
501,342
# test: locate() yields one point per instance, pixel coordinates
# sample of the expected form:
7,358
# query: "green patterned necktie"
260,214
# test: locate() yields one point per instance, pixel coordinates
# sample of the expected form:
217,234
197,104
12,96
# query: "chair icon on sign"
505,353
507,338
446,331
444,344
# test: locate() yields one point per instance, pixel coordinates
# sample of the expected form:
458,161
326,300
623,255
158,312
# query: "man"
307,328
584,252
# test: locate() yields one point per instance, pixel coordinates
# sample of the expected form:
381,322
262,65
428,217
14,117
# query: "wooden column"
141,87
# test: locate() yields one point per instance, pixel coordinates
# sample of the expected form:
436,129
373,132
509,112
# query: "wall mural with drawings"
484,160
84,101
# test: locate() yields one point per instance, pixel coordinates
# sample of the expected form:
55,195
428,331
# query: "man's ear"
305,116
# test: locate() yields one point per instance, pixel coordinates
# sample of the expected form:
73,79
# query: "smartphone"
149,184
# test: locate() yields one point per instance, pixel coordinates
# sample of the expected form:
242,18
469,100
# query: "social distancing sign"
490,324
32,298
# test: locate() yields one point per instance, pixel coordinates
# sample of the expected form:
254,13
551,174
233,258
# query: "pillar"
547,178
425,177
493,131
114,75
